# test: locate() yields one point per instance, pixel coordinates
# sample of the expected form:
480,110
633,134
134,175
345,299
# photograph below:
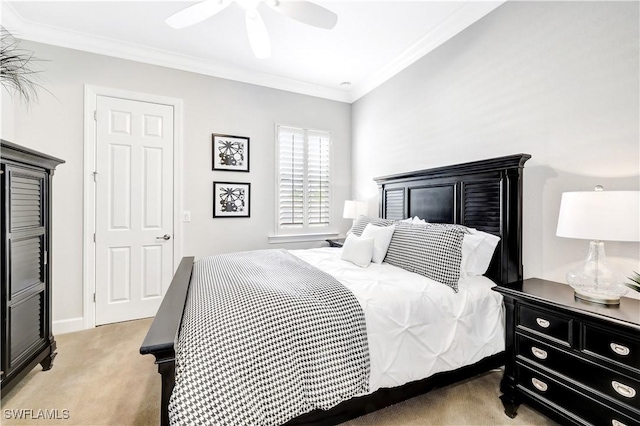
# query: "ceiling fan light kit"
301,11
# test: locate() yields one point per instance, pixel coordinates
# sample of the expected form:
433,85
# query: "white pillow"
382,237
477,251
414,219
357,250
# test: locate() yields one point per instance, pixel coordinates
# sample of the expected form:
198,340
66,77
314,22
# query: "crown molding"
454,24
447,29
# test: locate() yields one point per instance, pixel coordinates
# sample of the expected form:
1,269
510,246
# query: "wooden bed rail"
164,331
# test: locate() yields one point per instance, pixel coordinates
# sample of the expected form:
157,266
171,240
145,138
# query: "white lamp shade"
353,209
600,215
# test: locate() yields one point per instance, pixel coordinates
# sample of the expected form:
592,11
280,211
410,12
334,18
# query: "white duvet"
417,327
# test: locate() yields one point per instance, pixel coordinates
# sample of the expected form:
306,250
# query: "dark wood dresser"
26,336
576,361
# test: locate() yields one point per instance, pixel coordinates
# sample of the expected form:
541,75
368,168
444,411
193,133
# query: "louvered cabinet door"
24,265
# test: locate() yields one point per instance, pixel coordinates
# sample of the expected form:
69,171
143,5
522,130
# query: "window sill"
301,238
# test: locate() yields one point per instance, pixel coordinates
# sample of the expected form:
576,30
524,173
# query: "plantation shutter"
318,188
304,184
291,176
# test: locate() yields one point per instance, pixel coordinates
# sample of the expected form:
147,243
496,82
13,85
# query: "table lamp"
599,216
354,208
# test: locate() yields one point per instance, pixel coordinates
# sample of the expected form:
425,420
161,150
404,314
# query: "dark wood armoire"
26,335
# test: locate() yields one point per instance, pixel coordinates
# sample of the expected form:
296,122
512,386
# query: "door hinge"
46,257
94,298
95,176
95,114
94,237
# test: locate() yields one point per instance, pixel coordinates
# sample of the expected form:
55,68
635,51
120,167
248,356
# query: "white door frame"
91,94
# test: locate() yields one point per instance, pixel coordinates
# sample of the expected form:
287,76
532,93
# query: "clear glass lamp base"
594,281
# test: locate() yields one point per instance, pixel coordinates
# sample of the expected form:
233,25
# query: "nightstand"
337,242
576,361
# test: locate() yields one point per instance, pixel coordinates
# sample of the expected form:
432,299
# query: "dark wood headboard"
486,195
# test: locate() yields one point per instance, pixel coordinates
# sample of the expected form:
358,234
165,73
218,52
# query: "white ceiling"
372,41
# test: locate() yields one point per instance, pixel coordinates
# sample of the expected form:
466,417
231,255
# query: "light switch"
186,216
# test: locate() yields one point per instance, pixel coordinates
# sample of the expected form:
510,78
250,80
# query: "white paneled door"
134,208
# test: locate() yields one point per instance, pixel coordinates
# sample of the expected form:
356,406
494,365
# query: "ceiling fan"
300,10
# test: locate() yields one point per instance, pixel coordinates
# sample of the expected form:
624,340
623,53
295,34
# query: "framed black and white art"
230,153
231,199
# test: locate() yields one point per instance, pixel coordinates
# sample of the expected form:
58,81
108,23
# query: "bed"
485,195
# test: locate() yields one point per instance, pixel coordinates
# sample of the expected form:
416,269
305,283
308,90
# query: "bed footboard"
164,331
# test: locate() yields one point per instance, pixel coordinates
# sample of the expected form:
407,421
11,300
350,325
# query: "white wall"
6,112
211,105
557,80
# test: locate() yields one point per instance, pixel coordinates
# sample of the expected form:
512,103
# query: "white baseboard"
68,325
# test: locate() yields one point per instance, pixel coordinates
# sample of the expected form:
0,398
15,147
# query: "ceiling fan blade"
196,13
306,12
258,36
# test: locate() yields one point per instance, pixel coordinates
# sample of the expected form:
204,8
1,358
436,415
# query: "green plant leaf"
17,72
635,282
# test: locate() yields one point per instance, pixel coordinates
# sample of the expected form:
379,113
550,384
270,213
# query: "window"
304,180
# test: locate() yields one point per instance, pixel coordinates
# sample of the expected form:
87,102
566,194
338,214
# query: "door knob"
164,237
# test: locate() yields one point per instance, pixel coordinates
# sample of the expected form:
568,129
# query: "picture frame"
230,153
231,199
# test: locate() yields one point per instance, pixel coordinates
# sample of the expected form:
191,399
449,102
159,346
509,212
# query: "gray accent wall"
557,80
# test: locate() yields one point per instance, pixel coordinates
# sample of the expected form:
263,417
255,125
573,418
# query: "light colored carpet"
101,379
98,375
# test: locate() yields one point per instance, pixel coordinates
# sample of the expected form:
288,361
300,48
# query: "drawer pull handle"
619,349
539,384
543,322
539,353
614,422
624,390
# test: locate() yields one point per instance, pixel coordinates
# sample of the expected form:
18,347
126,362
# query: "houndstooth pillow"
362,222
461,228
433,251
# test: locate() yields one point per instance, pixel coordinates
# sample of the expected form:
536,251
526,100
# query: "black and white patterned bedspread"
266,337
